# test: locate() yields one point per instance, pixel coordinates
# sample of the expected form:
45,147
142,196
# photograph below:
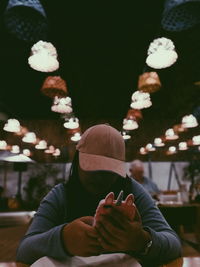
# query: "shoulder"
143,200
137,189
57,194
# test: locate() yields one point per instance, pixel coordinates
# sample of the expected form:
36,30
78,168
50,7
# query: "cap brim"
90,162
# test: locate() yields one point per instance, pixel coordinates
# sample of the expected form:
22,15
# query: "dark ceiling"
102,47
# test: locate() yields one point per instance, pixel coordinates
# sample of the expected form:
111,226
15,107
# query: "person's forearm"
37,245
165,247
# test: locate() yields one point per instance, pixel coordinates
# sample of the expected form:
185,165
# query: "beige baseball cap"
102,148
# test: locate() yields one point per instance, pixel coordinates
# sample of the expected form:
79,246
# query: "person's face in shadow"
97,182
137,173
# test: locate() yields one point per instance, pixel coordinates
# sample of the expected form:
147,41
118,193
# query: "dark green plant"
192,173
38,186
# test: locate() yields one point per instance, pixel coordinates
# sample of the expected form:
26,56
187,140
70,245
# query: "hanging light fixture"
29,138
3,145
143,151
54,86
171,150
26,152
180,15
76,137
62,105
158,142
26,20
18,158
15,149
135,114
149,82
130,124
178,128
125,135
140,100
196,140
22,132
43,57
12,125
50,150
71,123
189,121
41,145
161,53
56,153
182,146
170,134
149,147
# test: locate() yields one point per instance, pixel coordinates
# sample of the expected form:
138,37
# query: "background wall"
58,171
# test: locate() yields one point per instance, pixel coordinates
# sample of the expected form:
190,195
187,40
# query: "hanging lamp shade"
43,57
130,124
15,149
189,121
54,86
57,152
50,150
149,82
135,114
171,150
71,123
3,145
196,140
150,148
26,152
26,20
12,125
41,145
161,53
182,146
158,142
29,137
143,151
18,158
180,15
125,135
140,100
62,105
170,134
76,137
178,128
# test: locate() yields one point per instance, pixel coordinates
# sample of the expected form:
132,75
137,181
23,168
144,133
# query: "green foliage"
38,186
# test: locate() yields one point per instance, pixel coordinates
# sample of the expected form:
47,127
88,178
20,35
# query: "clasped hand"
118,234
112,233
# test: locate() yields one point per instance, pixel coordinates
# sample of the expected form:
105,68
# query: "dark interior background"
102,47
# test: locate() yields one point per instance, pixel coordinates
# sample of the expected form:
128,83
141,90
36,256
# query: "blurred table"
185,215
14,218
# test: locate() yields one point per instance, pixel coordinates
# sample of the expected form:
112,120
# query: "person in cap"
137,172
63,225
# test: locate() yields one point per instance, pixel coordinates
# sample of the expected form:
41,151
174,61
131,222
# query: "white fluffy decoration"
161,53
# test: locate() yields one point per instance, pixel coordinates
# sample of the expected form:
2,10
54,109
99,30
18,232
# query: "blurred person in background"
137,172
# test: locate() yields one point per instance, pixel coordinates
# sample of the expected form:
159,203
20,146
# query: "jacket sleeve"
166,245
43,237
